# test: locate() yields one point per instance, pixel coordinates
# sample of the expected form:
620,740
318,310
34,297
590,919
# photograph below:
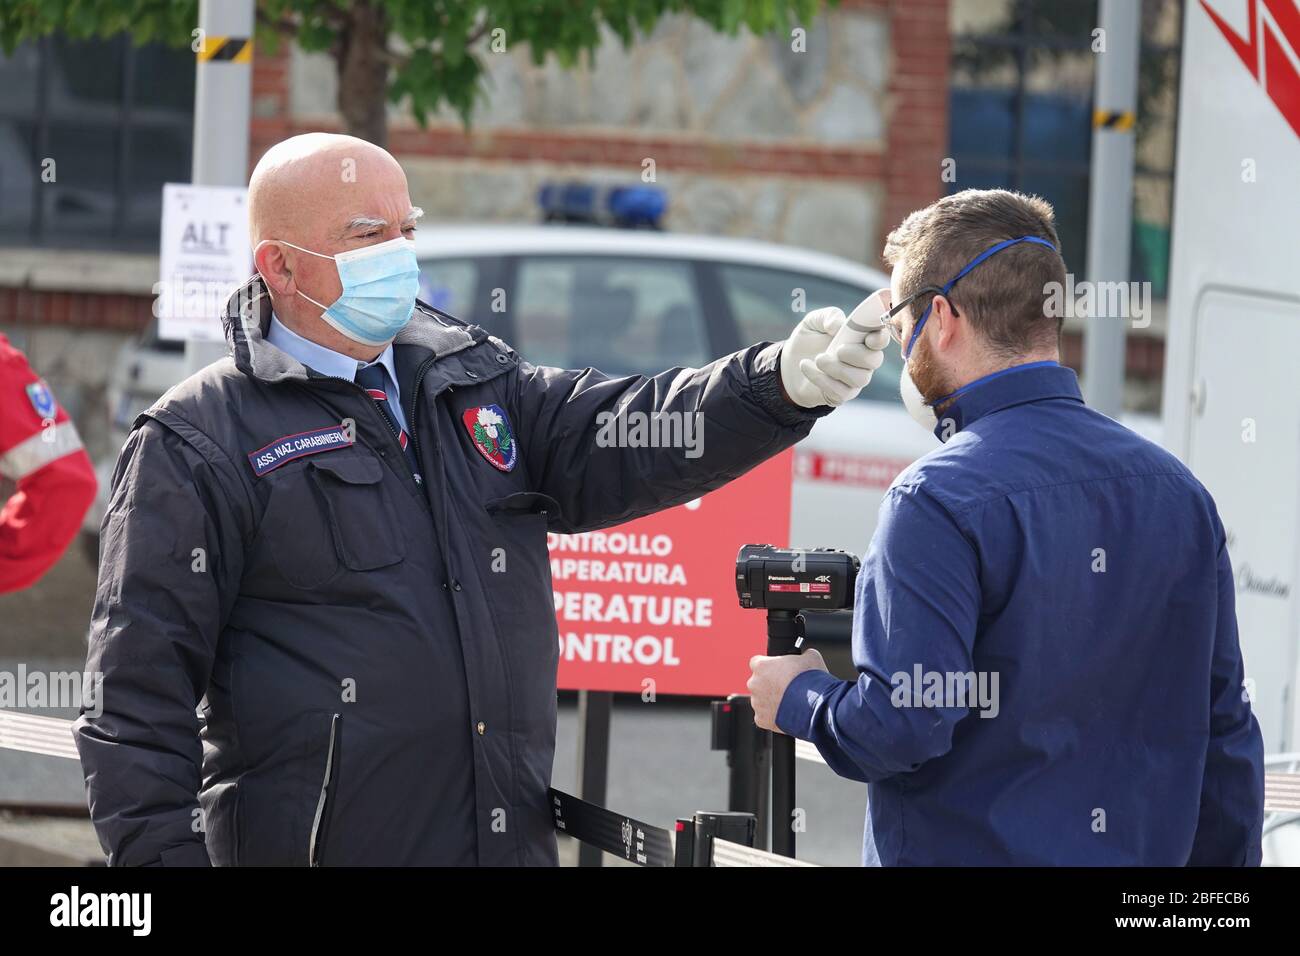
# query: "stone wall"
710,98
830,216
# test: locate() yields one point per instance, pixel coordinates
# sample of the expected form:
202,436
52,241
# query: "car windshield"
767,303
627,315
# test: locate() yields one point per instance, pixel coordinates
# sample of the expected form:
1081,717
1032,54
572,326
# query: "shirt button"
482,728
455,585
471,374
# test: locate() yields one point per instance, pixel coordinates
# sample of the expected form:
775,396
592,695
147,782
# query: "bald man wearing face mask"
333,543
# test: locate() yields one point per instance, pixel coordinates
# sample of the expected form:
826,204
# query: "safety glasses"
894,319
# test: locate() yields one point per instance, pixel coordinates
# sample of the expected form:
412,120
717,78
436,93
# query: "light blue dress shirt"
328,362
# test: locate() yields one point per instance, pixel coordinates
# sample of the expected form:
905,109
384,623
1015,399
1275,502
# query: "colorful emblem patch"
490,431
42,399
292,447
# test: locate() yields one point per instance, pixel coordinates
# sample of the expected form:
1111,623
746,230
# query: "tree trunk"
363,72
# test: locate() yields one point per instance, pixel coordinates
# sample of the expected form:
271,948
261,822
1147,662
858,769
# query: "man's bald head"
328,193
314,181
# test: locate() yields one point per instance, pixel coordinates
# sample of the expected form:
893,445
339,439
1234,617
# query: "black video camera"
795,579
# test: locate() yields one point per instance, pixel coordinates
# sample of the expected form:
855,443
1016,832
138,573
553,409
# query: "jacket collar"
248,317
1006,388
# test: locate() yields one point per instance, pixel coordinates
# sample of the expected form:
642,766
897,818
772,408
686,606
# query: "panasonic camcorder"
795,579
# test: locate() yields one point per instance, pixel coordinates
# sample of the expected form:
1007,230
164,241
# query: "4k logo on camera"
490,431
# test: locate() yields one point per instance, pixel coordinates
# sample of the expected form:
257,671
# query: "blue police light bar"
630,207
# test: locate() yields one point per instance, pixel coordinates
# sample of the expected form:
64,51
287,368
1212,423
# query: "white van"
1232,358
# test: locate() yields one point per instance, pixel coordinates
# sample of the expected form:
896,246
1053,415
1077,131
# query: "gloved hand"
815,374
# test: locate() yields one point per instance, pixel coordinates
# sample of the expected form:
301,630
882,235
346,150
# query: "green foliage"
148,21
437,47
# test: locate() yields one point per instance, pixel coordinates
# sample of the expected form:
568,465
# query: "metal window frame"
1023,41
121,124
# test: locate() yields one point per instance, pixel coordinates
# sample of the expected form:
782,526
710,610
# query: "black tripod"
785,633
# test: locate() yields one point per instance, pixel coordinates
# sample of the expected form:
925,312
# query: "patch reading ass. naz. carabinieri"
292,447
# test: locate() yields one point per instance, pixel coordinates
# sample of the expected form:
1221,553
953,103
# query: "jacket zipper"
397,438
413,409
313,850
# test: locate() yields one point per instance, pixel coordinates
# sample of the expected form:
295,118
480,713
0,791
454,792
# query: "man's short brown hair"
1003,296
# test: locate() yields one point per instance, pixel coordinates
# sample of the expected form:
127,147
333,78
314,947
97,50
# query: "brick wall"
918,106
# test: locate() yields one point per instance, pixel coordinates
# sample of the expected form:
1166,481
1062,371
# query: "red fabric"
40,520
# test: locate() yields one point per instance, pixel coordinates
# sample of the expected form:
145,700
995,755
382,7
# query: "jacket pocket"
524,503
331,513
328,794
277,795
361,517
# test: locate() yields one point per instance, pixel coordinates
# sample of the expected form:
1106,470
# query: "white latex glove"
814,373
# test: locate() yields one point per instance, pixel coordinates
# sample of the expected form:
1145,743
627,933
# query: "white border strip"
726,853
30,733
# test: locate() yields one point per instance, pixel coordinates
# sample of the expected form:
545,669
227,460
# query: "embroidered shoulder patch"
490,431
300,445
42,399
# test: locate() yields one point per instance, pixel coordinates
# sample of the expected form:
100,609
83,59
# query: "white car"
643,301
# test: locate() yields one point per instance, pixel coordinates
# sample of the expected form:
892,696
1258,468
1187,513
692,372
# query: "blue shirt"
1047,654
328,362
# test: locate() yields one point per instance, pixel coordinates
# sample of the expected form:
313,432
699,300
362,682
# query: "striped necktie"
374,379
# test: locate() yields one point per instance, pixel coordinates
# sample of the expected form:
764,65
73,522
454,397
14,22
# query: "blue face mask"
380,283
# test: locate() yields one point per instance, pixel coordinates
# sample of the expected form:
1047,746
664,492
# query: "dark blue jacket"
1077,575
373,658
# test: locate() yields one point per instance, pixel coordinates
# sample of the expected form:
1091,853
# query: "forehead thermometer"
868,317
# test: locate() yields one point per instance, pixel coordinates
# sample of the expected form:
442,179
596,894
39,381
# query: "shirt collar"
1005,388
323,360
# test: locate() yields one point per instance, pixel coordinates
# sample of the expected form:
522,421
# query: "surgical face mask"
380,283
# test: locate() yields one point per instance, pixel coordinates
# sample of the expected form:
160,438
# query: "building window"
89,132
1021,115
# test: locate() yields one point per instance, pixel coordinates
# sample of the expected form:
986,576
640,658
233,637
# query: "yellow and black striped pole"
223,87
1110,195
225,49
1119,120
223,53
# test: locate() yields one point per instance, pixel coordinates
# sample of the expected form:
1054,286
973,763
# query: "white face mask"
914,402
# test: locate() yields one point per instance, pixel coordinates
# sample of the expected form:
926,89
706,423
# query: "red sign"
655,599
1269,49
867,472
